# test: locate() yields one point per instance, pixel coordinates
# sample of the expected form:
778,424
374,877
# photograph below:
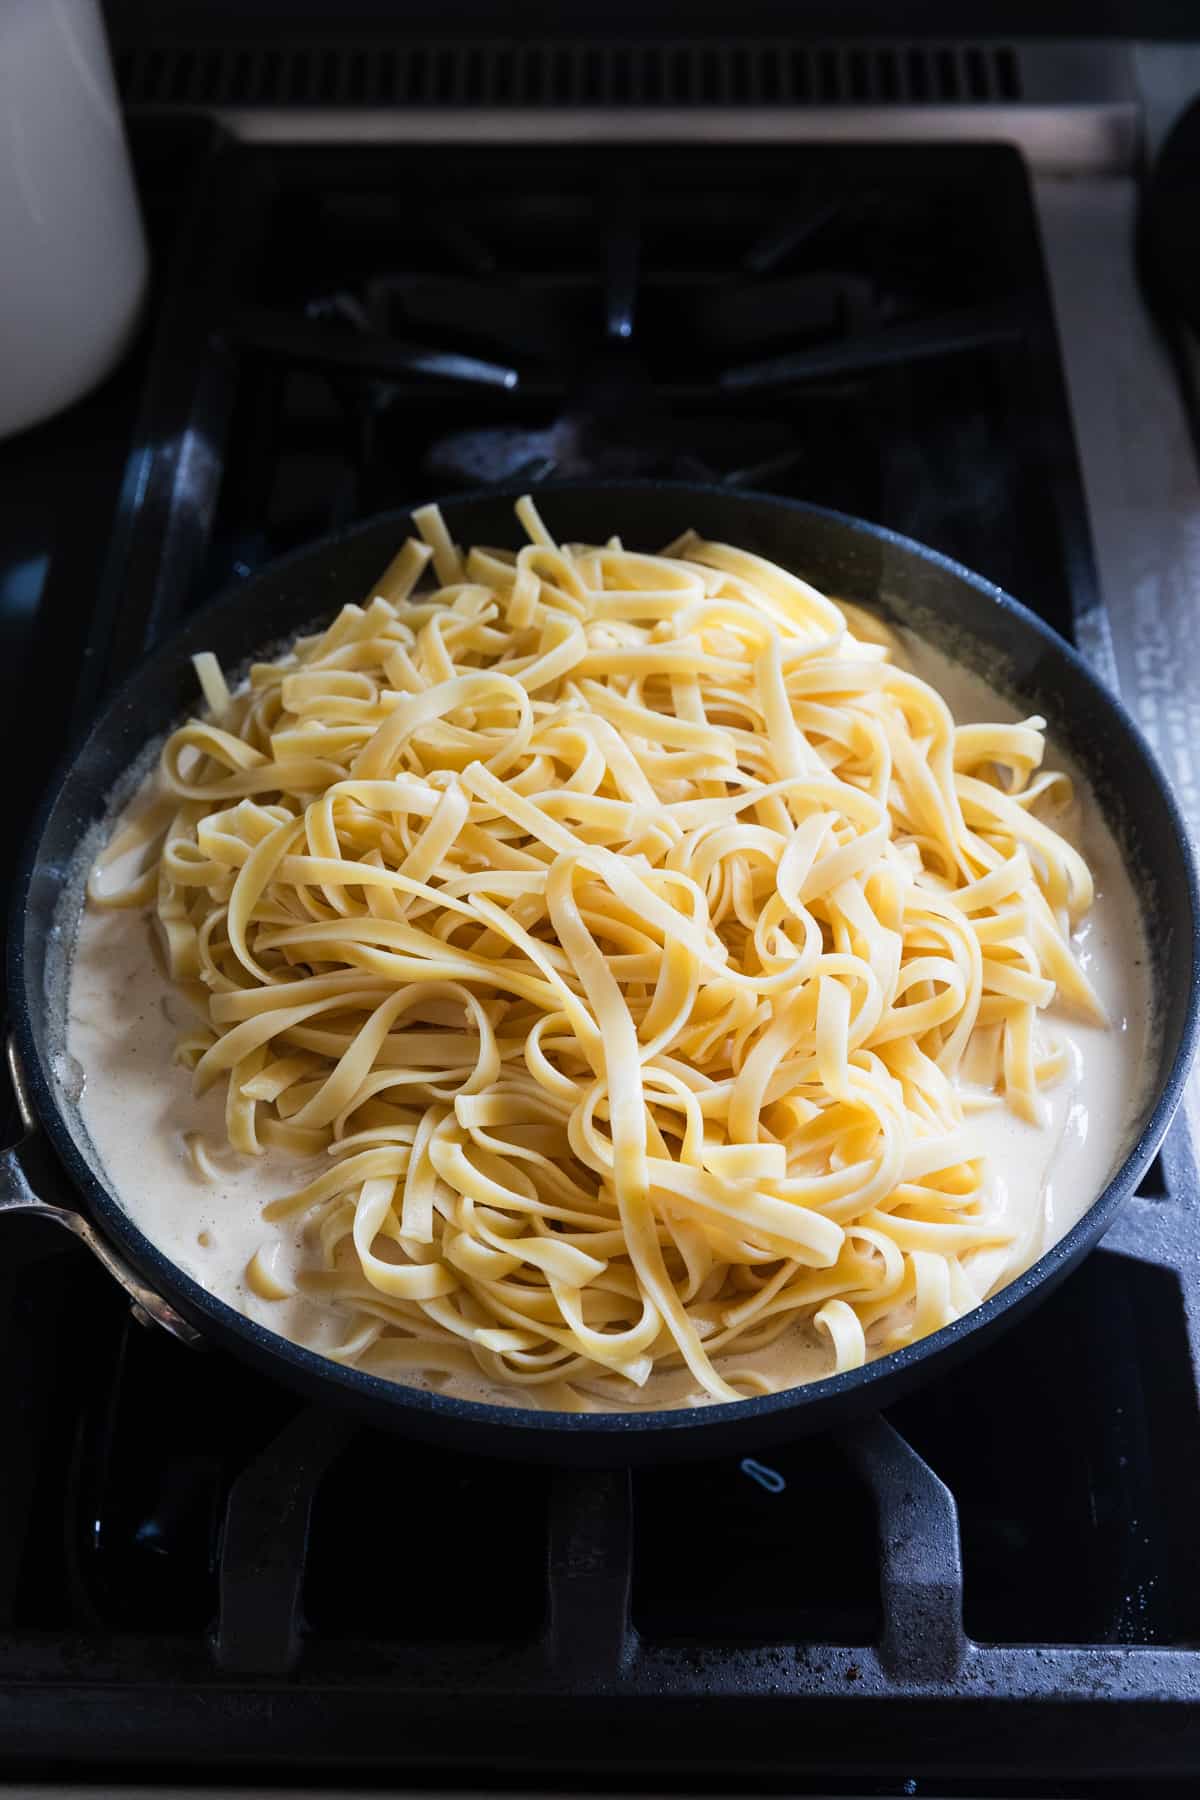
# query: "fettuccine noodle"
634,942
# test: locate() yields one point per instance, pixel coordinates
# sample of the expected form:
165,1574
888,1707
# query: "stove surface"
201,1577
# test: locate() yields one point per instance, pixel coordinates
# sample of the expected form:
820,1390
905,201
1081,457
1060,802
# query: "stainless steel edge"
1071,72
1141,480
1167,76
1139,469
1100,136
1076,109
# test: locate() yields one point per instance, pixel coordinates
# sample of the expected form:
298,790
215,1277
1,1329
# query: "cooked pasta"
634,940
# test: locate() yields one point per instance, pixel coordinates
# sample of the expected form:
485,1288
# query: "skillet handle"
25,1166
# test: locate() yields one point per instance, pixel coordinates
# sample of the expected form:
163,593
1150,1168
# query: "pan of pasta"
641,972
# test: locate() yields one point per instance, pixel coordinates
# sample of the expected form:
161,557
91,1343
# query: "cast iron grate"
835,324
196,1573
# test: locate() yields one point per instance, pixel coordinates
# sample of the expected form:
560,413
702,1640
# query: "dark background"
599,18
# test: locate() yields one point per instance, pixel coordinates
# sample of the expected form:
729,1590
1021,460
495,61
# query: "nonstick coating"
961,613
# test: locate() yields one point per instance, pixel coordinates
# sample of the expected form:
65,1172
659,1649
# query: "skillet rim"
519,1429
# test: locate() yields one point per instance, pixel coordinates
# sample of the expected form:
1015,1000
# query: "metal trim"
1099,138
1070,107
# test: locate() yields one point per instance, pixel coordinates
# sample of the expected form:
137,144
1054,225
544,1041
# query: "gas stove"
994,1588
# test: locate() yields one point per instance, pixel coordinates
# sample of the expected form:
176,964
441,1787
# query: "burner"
866,347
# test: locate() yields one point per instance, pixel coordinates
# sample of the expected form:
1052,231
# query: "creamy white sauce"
138,1108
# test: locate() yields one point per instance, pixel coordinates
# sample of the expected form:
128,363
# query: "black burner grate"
567,72
197,1574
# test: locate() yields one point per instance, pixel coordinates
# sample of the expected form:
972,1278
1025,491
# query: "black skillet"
965,615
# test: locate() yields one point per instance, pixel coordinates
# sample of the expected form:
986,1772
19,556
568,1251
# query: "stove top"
200,1576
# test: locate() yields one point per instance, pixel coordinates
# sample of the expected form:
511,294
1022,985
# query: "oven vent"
568,73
